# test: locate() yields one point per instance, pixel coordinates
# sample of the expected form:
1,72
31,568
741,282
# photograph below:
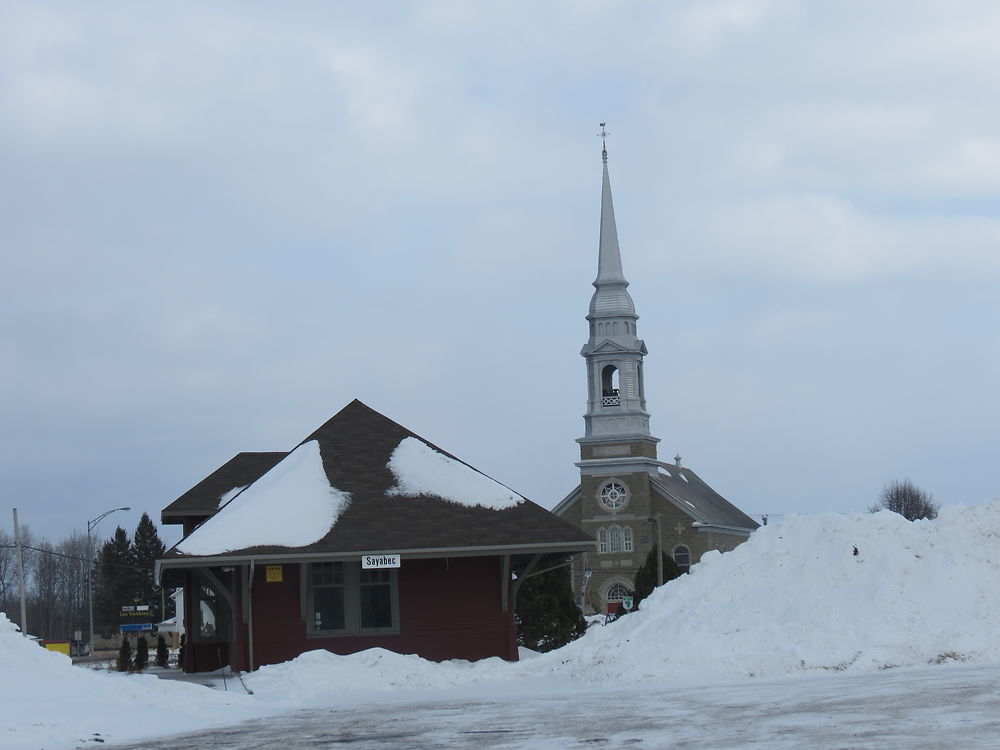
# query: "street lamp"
90,579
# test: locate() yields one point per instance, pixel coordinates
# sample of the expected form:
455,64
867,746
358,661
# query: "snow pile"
320,678
795,597
298,485
47,702
421,470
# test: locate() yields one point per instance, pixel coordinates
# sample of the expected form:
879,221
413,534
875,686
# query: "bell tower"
616,398
617,452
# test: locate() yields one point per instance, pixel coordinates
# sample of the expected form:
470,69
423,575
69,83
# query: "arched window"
682,556
615,536
602,540
617,592
627,538
609,386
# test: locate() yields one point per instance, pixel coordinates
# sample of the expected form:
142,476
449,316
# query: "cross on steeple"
604,141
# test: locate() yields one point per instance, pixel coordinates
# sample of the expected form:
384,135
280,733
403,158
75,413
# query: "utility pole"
20,575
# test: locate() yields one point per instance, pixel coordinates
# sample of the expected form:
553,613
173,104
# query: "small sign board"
379,561
130,613
628,602
137,627
273,574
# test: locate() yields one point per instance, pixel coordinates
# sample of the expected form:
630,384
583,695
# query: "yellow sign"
273,574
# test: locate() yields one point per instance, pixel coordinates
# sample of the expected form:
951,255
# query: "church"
627,500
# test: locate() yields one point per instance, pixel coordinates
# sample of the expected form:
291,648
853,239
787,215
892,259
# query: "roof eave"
244,557
717,528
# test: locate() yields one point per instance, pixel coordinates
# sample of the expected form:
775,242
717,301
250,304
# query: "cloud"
826,239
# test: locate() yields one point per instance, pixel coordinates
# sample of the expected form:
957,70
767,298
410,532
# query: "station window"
343,599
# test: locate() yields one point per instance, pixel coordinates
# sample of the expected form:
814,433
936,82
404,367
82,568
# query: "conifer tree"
124,661
147,548
141,654
546,613
162,654
115,584
646,576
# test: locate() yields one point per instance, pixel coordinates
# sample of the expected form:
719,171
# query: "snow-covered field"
792,613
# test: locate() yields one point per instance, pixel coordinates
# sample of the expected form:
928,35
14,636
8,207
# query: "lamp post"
91,524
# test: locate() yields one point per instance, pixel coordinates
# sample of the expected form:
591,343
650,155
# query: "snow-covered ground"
792,612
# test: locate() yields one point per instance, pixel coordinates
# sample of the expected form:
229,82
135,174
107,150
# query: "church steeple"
609,262
616,405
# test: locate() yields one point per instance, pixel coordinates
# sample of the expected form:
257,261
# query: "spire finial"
604,142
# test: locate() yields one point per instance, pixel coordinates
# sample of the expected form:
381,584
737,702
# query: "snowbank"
794,599
46,702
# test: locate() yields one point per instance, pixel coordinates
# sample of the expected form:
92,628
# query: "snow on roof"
227,496
421,470
298,485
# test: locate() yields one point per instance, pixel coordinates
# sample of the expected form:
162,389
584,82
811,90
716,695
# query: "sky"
221,223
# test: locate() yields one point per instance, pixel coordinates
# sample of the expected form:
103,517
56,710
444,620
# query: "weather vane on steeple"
604,141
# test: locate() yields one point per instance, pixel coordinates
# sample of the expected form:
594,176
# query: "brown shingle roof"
202,500
356,445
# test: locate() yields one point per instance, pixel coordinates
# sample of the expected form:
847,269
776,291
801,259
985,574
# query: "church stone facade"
627,499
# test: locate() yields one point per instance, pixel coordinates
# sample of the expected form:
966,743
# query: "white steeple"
616,404
611,295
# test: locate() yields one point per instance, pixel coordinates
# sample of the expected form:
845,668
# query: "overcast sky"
222,222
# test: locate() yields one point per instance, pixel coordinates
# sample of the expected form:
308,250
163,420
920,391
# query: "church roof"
362,483
690,494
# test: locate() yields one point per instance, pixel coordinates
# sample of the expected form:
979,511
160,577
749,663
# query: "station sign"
379,561
132,613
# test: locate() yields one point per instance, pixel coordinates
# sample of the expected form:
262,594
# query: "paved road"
946,707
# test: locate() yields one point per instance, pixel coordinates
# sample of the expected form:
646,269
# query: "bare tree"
9,583
8,571
905,498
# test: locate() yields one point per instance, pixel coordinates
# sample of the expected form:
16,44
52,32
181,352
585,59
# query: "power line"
74,557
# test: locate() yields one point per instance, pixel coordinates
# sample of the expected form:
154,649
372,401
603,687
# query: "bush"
546,613
141,654
161,652
124,661
905,498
